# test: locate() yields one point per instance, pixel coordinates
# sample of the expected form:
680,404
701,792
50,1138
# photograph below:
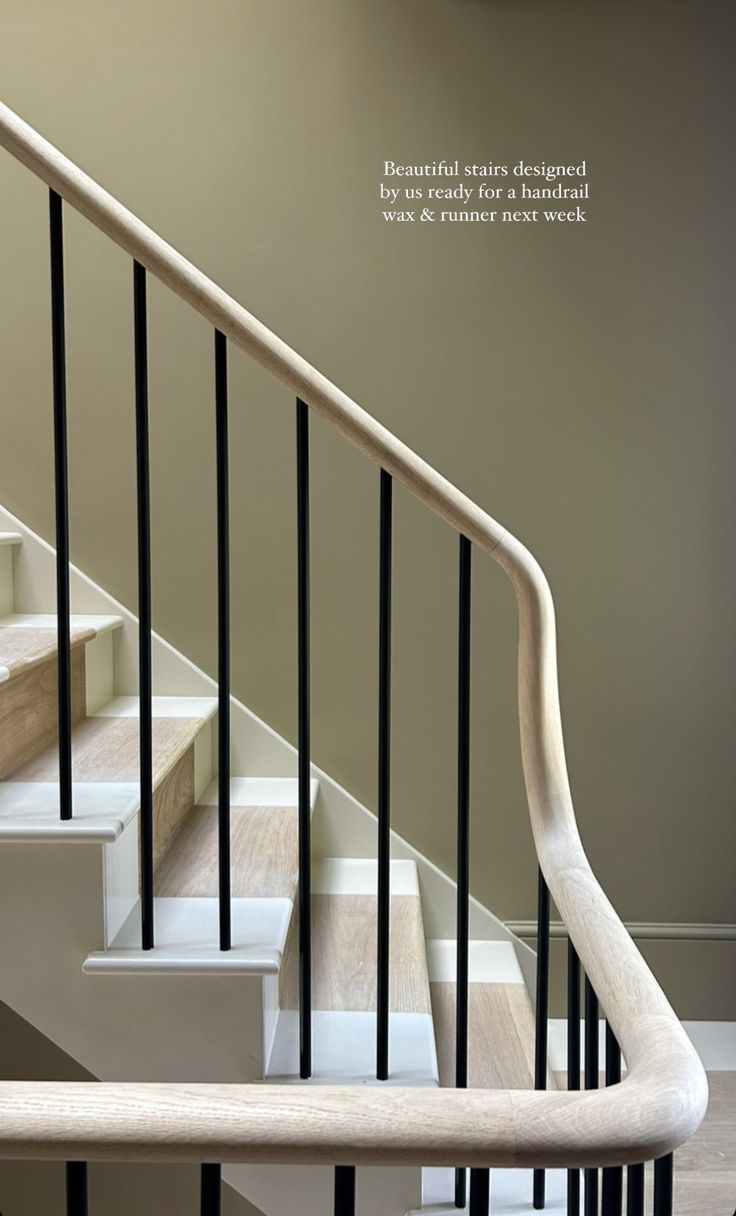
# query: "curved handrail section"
663,1097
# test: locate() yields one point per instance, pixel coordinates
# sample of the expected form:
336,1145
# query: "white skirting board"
715,1043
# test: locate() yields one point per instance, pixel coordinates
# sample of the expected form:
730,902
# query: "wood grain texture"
23,647
29,708
663,1099
344,956
106,749
264,854
500,1035
173,798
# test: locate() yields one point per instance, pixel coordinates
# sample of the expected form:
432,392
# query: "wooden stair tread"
264,854
22,648
344,956
106,749
500,1035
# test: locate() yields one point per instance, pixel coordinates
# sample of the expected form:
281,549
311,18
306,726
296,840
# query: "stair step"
29,679
501,1028
30,637
264,842
344,904
105,759
187,936
344,940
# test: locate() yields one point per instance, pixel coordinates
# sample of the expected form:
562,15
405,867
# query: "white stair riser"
100,672
6,579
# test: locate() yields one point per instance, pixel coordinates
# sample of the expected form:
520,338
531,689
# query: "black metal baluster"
480,1192
76,1188
304,732
613,1176
344,1190
635,1190
61,491
384,779
463,839
223,637
663,1186
145,683
591,1082
573,1060
210,1190
542,1015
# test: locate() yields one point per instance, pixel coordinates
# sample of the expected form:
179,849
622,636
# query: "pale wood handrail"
663,1098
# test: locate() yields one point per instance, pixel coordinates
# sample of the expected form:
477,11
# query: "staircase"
194,906
186,1010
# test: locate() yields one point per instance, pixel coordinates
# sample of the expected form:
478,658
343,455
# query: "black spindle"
61,489
345,1190
663,1185
384,779
463,838
480,1192
76,1188
223,637
542,1015
591,1082
573,1060
210,1190
635,1190
304,734
145,683
613,1176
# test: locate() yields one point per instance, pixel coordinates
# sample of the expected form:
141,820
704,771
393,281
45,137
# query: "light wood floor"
705,1168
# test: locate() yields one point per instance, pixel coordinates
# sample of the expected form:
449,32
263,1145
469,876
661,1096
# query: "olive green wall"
576,381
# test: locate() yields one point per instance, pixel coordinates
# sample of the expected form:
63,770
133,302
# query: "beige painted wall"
575,381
